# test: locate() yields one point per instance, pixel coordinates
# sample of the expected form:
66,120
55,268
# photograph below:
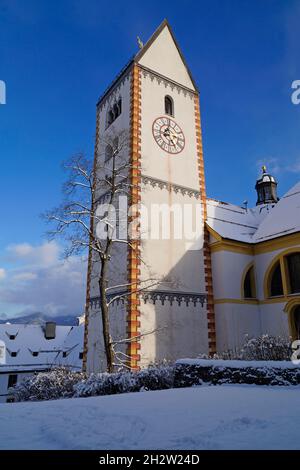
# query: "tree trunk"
109,353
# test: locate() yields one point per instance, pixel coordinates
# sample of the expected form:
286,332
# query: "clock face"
168,135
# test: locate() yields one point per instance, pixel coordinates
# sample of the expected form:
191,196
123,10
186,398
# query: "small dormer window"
11,336
12,353
33,353
81,355
169,106
65,354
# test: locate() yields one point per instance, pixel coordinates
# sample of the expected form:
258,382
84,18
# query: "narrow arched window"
169,106
276,287
249,284
120,106
110,117
116,110
108,152
293,265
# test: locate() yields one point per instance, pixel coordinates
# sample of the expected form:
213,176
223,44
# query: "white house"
35,348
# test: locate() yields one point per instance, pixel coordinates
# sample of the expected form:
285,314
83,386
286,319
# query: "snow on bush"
58,383
266,348
263,348
190,372
153,378
63,383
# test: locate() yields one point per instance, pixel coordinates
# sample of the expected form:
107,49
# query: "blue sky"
56,59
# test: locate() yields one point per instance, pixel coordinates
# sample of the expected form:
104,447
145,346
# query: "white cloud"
26,276
294,168
21,250
38,280
46,254
278,166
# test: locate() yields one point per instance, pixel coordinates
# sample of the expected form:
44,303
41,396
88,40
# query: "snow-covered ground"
221,417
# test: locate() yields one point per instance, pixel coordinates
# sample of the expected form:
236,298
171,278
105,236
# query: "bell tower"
169,311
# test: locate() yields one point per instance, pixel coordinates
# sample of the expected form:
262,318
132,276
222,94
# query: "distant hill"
38,318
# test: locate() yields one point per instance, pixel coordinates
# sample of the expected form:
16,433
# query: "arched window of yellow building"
249,284
293,266
276,287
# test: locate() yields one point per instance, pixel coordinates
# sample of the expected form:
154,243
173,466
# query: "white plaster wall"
228,268
233,322
274,320
180,331
96,361
179,259
181,168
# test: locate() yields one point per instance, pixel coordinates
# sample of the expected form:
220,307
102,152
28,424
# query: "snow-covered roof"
27,348
284,219
258,224
72,348
231,221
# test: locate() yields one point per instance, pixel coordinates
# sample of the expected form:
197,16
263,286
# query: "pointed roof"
140,57
161,44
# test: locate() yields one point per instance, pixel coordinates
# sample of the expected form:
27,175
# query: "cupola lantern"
266,187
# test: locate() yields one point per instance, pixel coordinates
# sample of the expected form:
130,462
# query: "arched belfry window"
275,283
110,117
249,289
113,112
119,104
169,106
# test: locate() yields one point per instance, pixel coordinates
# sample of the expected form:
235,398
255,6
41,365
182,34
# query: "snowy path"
222,417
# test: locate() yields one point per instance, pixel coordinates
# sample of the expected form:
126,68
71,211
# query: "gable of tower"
162,54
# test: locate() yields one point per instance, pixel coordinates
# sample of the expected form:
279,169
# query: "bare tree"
88,188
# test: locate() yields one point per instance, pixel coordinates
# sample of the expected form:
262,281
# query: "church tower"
167,312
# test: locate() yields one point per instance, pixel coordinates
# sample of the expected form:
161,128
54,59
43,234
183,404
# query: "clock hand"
171,140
